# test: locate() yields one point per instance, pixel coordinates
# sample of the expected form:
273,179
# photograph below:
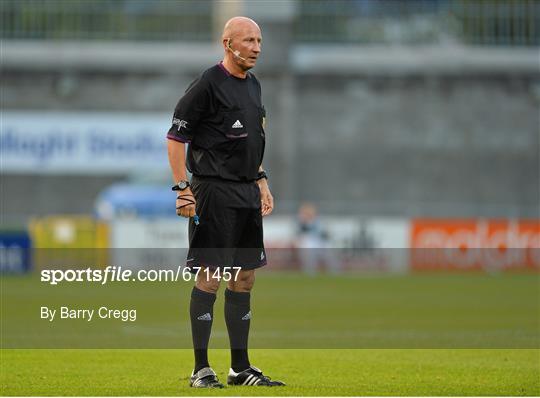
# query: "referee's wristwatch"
181,186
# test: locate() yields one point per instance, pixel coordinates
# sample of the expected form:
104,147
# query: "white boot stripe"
247,380
253,381
258,381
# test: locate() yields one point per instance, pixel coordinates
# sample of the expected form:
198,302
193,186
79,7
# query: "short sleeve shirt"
222,118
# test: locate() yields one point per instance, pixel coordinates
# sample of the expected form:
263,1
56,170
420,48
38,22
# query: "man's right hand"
186,201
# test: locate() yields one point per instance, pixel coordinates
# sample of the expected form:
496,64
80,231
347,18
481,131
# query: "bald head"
242,44
239,25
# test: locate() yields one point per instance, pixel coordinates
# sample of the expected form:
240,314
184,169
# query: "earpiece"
236,53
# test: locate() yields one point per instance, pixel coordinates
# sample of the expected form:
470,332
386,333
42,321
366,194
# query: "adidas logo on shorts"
205,317
237,125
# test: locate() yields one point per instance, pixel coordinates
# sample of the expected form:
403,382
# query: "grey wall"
445,146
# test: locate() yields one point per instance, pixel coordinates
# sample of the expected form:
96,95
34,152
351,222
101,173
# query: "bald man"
221,118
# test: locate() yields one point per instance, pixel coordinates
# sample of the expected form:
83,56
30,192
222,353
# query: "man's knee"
206,283
243,282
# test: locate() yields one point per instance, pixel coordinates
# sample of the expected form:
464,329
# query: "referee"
222,118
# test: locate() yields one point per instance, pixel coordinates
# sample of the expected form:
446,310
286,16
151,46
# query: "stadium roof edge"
108,56
304,58
439,59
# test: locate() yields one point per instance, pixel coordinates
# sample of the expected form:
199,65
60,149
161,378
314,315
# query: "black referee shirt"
221,116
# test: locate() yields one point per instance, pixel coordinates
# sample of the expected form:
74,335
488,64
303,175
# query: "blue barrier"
15,252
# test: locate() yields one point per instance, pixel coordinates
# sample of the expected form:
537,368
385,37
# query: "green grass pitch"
442,335
333,372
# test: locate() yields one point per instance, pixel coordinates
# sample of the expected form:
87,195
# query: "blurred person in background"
222,118
313,242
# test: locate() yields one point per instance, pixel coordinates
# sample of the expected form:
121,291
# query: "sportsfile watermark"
121,274
310,298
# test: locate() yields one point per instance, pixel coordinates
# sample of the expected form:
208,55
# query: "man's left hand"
267,201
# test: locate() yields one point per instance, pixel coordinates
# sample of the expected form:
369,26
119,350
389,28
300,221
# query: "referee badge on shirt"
263,116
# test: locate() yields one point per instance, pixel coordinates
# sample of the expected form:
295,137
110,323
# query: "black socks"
201,311
237,318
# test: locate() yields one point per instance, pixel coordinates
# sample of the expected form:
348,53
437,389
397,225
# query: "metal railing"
106,19
367,21
498,22
484,22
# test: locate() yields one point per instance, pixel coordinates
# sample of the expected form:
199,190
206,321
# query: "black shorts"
230,230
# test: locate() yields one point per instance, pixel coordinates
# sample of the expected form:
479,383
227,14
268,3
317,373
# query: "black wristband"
261,175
